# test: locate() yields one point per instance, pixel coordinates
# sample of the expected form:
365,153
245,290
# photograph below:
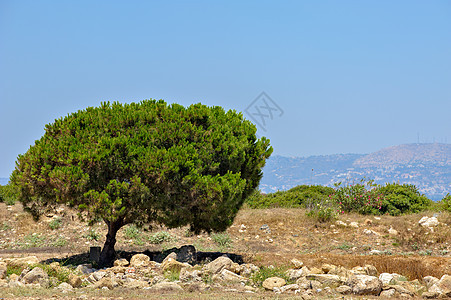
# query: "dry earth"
263,237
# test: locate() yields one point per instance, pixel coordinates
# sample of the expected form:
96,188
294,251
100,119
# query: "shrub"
446,203
8,194
323,210
402,198
293,198
92,235
55,223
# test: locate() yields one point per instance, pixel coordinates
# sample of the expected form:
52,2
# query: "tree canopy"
145,162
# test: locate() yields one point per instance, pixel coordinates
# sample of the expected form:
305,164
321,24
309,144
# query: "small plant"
5,226
92,235
344,246
172,275
56,223
267,272
13,269
161,237
323,210
132,232
223,240
60,242
32,241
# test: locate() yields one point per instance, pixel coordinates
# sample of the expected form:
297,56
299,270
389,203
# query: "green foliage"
222,239
8,194
56,223
161,237
92,235
268,272
296,197
446,203
322,210
172,275
145,162
13,269
60,242
402,198
132,232
60,273
363,197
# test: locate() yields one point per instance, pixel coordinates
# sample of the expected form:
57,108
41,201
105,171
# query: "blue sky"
349,76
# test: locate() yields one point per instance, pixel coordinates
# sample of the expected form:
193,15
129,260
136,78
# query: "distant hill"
428,166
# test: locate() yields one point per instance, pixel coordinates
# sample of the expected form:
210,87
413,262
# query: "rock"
430,295
390,293
64,287
297,264
98,275
15,283
15,277
172,265
166,287
139,260
326,268
187,254
368,222
218,265
430,281
272,282
370,232
365,285
248,269
315,270
428,222
22,261
3,283
359,270
104,283
376,252
84,269
187,274
390,278
196,287
370,270
354,224
74,280
286,288
341,223
235,268
326,279
295,274
341,271
306,284
435,289
392,231
136,284
121,262
117,269
229,276
344,290
445,285
3,269
37,275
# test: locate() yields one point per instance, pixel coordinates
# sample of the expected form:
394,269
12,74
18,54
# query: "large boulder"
139,260
37,275
445,285
428,222
365,285
326,279
273,282
172,265
229,276
216,266
74,280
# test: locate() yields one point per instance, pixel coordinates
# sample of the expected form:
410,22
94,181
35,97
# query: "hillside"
428,166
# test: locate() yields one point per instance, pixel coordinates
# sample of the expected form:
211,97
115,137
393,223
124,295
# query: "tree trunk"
108,253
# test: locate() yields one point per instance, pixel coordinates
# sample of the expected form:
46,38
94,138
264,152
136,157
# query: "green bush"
323,210
294,198
446,203
56,223
402,198
222,239
8,194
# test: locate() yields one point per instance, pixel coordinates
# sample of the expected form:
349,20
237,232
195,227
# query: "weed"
32,241
60,242
132,232
5,226
56,223
223,240
12,269
92,235
172,275
344,246
161,237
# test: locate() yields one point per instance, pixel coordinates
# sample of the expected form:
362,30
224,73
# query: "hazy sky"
344,76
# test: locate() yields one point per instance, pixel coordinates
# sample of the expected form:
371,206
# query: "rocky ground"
266,253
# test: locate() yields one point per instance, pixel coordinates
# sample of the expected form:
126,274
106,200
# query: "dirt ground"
263,237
